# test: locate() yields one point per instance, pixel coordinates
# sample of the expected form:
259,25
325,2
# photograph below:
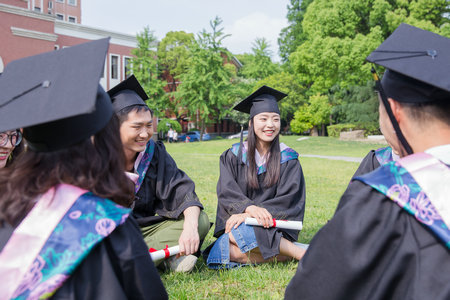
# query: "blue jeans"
219,256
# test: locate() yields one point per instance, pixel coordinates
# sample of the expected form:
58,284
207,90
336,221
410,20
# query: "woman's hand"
261,214
234,221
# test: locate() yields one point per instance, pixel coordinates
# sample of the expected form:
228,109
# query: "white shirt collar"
441,152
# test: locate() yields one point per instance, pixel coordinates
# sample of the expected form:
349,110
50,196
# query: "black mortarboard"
127,93
56,96
262,100
418,62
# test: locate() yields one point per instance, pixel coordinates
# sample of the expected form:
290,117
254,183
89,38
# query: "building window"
60,17
56,47
114,67
50,4
60,1
72,2
37,9
127,67
72,19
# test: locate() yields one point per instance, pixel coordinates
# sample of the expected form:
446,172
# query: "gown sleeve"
372,249
167,190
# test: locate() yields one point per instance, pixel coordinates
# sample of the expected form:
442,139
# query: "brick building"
29,27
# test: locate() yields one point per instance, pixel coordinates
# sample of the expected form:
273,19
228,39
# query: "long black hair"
95,165
273,161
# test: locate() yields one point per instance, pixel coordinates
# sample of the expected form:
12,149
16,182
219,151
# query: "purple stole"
65,224
420,184
143,163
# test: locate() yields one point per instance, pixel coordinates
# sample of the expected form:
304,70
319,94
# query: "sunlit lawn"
325,179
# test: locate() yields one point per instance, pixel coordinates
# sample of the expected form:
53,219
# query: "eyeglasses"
15,138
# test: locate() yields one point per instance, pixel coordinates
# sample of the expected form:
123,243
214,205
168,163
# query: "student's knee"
203,225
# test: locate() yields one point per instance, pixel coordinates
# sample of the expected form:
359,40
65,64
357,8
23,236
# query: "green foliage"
205,86
355,104
315,114
165,124
259,64
173,52
292,36
371,128
335,130
289,84
340,34
302,120
145,68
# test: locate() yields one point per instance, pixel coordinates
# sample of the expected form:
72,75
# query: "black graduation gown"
119,267
372,249
166,190
367,165
285,201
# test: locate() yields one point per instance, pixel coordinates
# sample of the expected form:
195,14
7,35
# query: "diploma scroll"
164,253
284,224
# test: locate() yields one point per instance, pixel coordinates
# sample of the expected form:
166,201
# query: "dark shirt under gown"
372,249
285,200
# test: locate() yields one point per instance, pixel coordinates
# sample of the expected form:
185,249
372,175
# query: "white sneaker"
300,245
182,263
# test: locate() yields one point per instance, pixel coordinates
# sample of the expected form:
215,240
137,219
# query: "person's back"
390,237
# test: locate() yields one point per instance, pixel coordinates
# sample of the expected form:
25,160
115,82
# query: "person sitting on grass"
260,178
166,205
391,239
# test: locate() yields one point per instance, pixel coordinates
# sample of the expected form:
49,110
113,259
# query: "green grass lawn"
326,180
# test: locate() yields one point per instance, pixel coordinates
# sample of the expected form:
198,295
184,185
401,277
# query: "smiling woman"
9,140
262,179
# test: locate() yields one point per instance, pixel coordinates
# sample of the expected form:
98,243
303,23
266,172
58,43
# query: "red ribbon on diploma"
166,251
274,222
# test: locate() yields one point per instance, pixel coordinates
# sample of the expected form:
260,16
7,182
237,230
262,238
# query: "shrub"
162,125
335,130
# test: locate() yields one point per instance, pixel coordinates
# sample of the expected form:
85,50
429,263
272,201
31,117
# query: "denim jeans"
219,256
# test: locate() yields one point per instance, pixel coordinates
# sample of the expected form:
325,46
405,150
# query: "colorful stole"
420,184
384,155
142,163
50,243
286,155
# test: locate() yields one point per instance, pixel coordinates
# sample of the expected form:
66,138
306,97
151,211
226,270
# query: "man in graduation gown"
166,205
389,237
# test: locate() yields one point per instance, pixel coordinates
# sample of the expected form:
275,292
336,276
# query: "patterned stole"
420,184
286,155
50,243
384,155
143,163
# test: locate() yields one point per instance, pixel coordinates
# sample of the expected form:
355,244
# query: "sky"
245,20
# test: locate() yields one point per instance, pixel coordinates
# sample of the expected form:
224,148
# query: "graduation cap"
263,99
56,96
418,63
418,66
127,93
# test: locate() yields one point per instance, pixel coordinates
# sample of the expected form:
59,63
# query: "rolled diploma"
165,253
296,225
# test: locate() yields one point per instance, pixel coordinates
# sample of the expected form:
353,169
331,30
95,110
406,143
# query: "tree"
292,36
144,66
317,113
259,65
340,34
205,87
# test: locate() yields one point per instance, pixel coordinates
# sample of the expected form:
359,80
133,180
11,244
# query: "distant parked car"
194,136
238,135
